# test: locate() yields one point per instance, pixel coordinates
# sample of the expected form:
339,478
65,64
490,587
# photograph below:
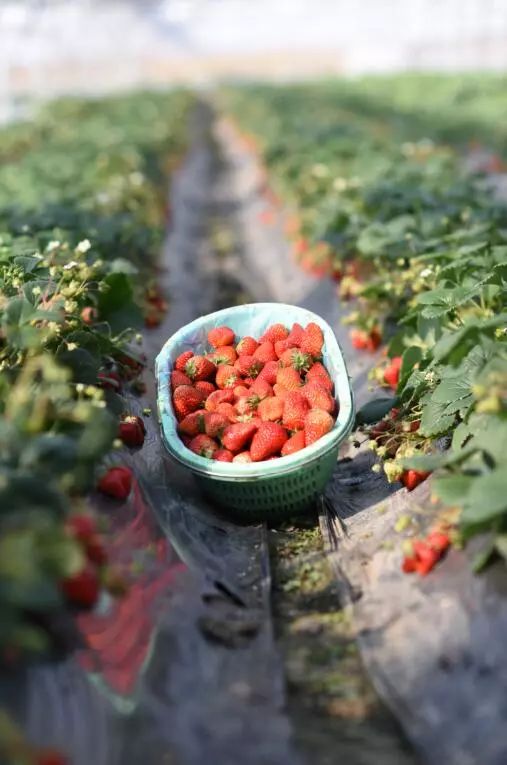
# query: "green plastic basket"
270,490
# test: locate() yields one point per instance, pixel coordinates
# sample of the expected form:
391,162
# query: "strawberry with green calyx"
313,340
270,409
296,359
182,359
247,404
116,482
237,436
295,443
274,333
179,378
186,399
225,396
317,423
267,441
248,366
281,346
192,424
295,408
227,377
220,336
247,346
203,445
265,352
199,368
288,378
225,355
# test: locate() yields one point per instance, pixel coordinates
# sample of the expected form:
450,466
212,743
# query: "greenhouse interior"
234,233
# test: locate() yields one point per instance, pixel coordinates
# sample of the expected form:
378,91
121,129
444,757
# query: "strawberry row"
249,400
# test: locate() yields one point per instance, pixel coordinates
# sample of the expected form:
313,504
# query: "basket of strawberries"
255,401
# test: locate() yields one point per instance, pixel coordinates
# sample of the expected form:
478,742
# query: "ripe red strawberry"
116,482
296,335
236,436
132,431
246,404
182,359
426,557
248,366
227,376
225,355
265,352
318,397
186,399
271,409
199,368
109,380
392,372
366,341
438,540
268,440
95,550
294,444
179,378
261,388
242,457
228,411
223,455
219,397
82,589
295,408
318,370
280,391
186,440
296,359
220,336
215,424
269,371
412,478
288,378
317,424
409,564
205,387
247,346
203,445
192,424
281,346
240,391
313,340
81,526
274,333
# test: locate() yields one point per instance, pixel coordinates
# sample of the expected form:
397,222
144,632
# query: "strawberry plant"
82,213
378,198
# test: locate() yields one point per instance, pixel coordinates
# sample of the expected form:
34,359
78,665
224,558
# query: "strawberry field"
140,620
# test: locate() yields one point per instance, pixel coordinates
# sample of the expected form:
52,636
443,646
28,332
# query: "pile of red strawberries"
250,400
